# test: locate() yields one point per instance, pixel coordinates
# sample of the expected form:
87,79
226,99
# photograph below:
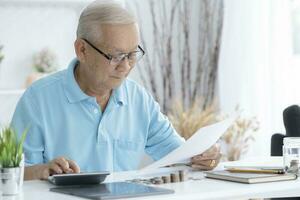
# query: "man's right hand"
58,165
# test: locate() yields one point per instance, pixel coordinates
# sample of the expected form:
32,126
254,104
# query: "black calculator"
84,178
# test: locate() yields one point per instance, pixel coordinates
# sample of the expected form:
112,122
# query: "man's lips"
117,77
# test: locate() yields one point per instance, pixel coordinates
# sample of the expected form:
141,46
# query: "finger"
207,162
204,158
202,162
215,148
216,157
197,157
211,163
212,153
63,163
45,174
211,150
74,166
55,168
201,167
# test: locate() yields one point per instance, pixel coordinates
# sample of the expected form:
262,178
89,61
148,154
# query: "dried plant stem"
171,21
149,69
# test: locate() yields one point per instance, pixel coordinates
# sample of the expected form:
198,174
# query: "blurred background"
205,60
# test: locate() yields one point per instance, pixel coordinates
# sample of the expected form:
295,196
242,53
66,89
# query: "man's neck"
102,95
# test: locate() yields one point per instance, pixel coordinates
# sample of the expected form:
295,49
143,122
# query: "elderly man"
90,117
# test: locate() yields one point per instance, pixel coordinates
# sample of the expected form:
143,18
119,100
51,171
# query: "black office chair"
291,120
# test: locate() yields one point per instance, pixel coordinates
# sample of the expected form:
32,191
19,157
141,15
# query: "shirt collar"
120,94
75,94
72,89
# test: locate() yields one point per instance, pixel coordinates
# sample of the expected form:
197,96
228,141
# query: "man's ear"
80,50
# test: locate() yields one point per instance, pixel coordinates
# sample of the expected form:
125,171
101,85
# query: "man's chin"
117,82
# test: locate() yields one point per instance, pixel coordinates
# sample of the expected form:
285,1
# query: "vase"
34,76
11,179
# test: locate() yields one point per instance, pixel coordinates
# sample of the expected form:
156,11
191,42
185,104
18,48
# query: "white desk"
191,189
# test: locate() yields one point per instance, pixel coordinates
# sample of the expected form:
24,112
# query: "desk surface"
191,189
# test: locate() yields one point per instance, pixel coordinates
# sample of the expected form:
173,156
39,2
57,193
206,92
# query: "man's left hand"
207,160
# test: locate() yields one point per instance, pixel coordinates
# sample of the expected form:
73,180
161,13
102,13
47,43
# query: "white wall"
26,27
8,100
29,26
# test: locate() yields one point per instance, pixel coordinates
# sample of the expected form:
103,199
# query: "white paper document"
202,140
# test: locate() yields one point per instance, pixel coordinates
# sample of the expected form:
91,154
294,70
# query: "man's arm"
28,115
162,138
35,172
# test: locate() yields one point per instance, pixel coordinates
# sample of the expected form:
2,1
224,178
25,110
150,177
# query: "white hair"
102,12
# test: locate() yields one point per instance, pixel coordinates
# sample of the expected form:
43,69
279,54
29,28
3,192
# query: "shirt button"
96,111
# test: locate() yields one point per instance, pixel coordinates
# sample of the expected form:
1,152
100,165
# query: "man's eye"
132,55
119,57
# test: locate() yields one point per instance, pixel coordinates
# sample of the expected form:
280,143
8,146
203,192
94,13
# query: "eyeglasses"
133,57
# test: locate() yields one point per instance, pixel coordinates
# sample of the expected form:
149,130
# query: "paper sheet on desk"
202,140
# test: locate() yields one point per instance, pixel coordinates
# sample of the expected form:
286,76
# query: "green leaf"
11,149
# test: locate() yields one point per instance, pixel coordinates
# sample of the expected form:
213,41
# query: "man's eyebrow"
118,50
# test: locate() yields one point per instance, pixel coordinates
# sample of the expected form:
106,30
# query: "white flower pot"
11,179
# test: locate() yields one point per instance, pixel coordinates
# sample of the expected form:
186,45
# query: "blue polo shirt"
64,121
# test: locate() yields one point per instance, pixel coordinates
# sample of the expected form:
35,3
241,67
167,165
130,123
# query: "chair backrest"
276,144
291,120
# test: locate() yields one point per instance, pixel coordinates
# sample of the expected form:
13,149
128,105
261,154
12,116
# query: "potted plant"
1,54
236,140
11,161
44,63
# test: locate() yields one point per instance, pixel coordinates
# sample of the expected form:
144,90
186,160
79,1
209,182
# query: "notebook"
249,177
113,190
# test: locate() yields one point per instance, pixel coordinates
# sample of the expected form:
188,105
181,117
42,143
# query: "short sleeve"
26,116
162,137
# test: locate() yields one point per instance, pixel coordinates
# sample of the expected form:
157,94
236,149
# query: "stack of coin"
183,175
179,176
166,179
156,180
175,177
294,166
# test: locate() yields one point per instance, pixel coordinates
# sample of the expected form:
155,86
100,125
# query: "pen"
259,171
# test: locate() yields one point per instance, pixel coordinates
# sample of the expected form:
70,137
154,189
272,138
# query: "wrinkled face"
114,40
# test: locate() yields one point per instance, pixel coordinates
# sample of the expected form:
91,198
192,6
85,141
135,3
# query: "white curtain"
258,70
285,69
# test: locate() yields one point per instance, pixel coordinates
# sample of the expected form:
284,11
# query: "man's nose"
124,65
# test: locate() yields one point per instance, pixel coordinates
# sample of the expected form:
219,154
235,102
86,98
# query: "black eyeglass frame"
110,57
